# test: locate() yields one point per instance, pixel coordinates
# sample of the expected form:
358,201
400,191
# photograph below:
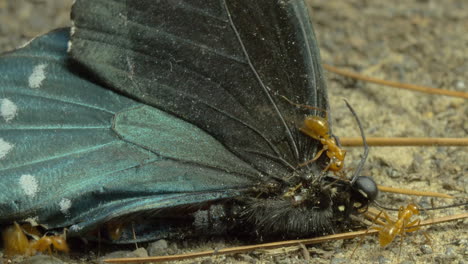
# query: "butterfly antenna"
265,89
364,142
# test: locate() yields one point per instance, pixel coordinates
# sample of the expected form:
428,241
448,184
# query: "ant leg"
400,212
401,245
387,218
60,243
402,232
367,231
305,106
380,222
428,240
376,220
413,226
315,158
340,174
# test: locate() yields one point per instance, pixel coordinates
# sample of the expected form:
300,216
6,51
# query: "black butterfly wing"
185,58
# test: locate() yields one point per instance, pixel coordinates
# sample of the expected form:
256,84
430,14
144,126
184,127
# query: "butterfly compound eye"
367,187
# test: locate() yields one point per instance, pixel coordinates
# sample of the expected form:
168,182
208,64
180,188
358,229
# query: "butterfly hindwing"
74,153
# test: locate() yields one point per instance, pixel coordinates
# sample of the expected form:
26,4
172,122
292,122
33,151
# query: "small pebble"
450,252
339,261
42,259
460,85
366,246
407,262
207,261
140,252
392,173
246,258
158,248
383,260
438,259
461,242
426,249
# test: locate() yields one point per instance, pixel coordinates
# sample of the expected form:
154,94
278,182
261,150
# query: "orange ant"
115,229
16,242
389,229
317,128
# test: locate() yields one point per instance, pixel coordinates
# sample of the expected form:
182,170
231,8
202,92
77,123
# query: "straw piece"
399,141
413,192
274,244
407,86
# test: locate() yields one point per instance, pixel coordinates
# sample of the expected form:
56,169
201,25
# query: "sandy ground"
421,42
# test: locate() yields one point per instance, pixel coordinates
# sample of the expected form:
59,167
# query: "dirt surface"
419,41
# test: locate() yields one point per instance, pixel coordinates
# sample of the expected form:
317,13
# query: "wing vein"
288,130
58,99
169,36
64,155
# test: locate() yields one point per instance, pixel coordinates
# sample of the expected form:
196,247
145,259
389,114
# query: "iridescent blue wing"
74,153
185,58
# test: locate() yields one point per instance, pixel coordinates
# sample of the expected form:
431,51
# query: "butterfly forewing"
184,58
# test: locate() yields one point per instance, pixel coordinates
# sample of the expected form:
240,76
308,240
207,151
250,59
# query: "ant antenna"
422,208
364,142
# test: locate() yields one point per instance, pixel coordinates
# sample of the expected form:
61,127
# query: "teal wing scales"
73,153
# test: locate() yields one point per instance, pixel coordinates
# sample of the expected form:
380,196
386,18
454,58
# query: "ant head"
336,165
413,207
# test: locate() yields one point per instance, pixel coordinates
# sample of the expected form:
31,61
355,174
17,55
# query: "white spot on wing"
69,46
37,76
72,28
8,109
5,148
65,205
75,228
29,185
